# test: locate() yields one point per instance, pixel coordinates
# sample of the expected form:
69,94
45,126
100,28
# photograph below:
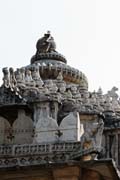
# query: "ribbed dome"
48,56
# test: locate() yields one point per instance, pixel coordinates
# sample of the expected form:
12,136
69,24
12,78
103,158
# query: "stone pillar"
107,145
116,149
67,173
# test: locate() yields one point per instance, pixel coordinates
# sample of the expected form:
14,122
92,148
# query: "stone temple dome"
48,118
50,63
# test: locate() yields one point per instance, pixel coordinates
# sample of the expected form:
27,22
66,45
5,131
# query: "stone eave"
106,168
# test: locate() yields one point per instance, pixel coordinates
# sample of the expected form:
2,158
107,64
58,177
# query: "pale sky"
87,33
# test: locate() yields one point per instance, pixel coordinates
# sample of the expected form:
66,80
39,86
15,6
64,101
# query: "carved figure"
6,79
69,94
46,44
85,98
22,70
99,132
36,76
51,86
116,105
12,78
113,93
20,79
93,98
100,92
60,76
28,79
76,95
108,105
62,88
100,97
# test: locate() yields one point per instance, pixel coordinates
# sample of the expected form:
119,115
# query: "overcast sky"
87,32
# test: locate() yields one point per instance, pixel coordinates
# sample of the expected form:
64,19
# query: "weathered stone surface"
5,130
70,127
23,129
93,130
45,126
67,173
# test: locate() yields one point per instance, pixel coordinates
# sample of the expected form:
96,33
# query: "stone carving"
20,77
85,97
68,95
12,78
60,76
93,98
99,131
10,82
116,105
112,93
76,95
62,89
45,126
97,101
6,79
114,98
28,79
108,103
23,129
41,153
36,77
10,96
100,92
51,86
5,131
35,73
92,133
22,70
46,44
54,109
100,97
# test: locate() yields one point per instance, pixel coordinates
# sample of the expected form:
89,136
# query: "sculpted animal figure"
46,44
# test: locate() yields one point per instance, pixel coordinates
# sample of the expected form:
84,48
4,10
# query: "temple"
52,127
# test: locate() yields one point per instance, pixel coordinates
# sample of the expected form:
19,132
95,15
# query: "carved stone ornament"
46,44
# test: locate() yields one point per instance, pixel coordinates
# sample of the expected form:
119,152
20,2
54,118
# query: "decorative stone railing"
36,149
35,154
